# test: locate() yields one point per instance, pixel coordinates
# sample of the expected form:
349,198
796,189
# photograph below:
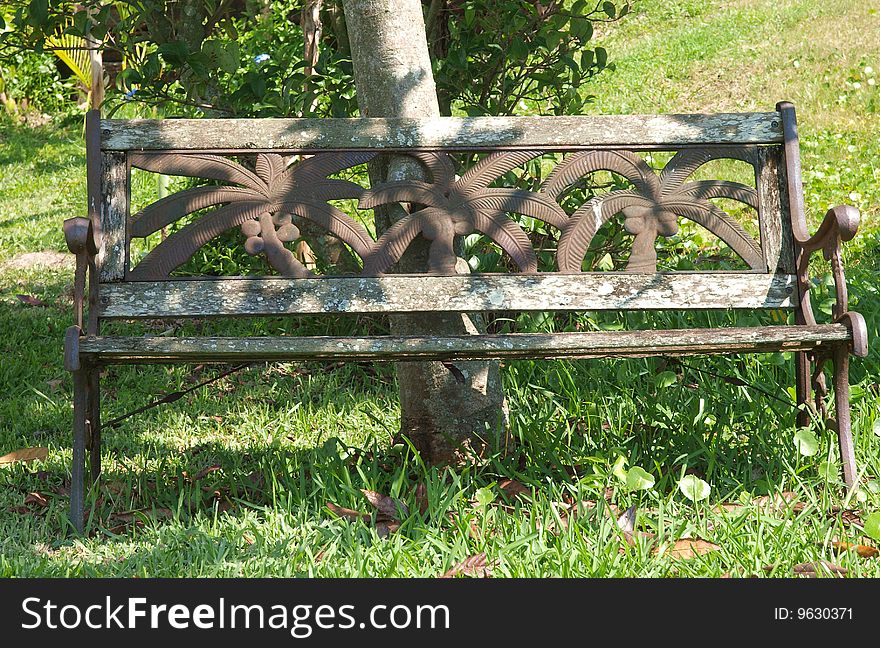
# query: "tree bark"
446,411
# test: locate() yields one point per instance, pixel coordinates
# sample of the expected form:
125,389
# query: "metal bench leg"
94,437
802,387
77,482
844,423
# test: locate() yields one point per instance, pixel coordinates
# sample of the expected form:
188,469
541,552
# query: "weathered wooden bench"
270,178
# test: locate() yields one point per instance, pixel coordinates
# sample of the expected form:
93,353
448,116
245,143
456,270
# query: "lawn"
234,479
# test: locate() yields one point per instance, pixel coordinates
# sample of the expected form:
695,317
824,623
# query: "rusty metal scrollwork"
262,203
653,206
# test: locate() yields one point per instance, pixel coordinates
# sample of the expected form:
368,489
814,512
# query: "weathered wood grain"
115,197
464,133
461,293
108,350
775,225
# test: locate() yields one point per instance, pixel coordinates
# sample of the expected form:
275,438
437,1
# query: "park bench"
269,178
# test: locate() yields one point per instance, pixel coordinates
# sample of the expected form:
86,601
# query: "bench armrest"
80,238
840,224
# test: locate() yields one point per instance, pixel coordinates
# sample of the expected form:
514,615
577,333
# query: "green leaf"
638,479
38,12
609,9
665,379
694,488
601,57
806,443
469,13
877,427
829,471
618,469
606,262
485,495
872,526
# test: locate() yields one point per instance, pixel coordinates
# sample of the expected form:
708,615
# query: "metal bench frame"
267,200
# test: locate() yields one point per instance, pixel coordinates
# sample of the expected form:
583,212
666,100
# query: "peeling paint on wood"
465,347
464,133
114,214
456,293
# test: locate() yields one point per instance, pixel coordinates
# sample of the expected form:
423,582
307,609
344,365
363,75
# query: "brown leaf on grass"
137,516
476,566
204,472
811,570
862,550
386,528
848,516
513,488
25,454
54,384
348,513
421,497
30,300
388,508
686,548
37,499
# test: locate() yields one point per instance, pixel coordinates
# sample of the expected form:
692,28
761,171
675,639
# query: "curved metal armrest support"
840,224
80,238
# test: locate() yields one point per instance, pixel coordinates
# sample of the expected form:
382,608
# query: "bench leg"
94,398
844,423
802,387
77,481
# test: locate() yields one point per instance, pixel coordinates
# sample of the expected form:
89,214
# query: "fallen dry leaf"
30,300
348,513
137,516
862,550
475,565
386,528
513,488
810,570
36,498
25,454
388,507
686,548
204,472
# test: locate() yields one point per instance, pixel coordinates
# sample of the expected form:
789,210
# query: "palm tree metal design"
457,207
653,206
262,204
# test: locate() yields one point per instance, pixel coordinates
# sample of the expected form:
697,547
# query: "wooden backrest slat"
760,134
457,293
463,133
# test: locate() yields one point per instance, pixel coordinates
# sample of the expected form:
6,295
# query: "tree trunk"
445,410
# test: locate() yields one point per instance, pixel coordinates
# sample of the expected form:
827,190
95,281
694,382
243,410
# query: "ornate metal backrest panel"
267,195
273,187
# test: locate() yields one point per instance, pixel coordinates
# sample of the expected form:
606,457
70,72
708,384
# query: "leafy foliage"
212,57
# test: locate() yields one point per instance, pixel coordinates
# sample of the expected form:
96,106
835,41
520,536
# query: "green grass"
289,438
